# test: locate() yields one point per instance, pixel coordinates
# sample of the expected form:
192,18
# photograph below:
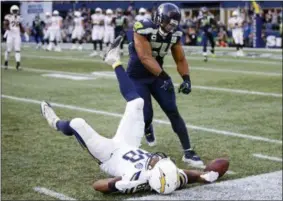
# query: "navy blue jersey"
159,46
119,22
206,22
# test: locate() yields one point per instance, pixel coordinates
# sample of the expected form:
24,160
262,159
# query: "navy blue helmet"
168,17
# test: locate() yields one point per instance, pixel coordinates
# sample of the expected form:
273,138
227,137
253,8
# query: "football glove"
210,176
185,87
167,82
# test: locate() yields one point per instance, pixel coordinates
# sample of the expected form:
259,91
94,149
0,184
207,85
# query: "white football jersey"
14,23
97,18
236,22
141,17
78,21
47,22
108,22
56,21
130,163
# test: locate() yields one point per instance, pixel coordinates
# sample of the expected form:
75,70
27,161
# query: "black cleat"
6,65
192,158
149,136
18,66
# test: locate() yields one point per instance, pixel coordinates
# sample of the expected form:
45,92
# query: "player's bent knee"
136,104
77,123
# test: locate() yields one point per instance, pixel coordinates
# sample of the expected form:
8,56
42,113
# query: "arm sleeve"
183,179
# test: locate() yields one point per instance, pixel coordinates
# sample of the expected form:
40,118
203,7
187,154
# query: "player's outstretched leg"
112,57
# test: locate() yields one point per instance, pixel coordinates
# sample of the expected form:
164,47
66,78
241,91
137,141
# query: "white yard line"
169,65
112,75
268,157
221,70
259,187
209,130
51,193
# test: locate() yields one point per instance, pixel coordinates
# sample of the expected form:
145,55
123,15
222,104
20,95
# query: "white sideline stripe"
210,130
193,68
112,75
238,91
230,71
268,157
51,193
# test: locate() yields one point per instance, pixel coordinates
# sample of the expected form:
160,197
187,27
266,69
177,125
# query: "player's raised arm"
182,67
144,52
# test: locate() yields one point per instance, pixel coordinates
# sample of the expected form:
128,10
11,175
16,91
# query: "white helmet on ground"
164,177
235,13
142,11
98,10
109,11
55,12
14,9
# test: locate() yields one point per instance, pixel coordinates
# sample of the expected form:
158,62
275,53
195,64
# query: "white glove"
26,37
210,176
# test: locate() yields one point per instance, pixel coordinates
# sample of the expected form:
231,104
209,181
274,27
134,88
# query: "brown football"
219,165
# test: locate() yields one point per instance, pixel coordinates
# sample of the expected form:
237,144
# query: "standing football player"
121,24
152,40
132,168
46,30
97,31
14,28
78,31
236,24
55,32
37,28
205,23
109,27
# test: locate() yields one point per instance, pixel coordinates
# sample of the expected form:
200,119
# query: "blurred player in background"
132,169
14,28
37,30
236,24
97,31
78,31
205,22
109,27
142,15
121,25
55,32
46,31
152,41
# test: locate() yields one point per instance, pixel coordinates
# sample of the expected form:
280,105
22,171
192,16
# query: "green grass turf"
35,155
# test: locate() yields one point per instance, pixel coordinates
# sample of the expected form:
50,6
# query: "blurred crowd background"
271,15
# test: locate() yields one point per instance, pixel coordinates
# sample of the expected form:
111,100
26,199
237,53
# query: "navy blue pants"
206,35
167,101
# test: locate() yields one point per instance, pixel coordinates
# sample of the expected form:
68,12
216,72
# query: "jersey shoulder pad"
7,17
178,32
144,27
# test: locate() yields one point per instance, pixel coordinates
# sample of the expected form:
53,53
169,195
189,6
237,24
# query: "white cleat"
49,114
93,54
58,49
49,48
80,48
113,53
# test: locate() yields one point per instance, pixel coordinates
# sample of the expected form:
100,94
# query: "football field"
234,110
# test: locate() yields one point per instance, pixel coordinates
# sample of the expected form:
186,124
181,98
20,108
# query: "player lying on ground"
133,169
